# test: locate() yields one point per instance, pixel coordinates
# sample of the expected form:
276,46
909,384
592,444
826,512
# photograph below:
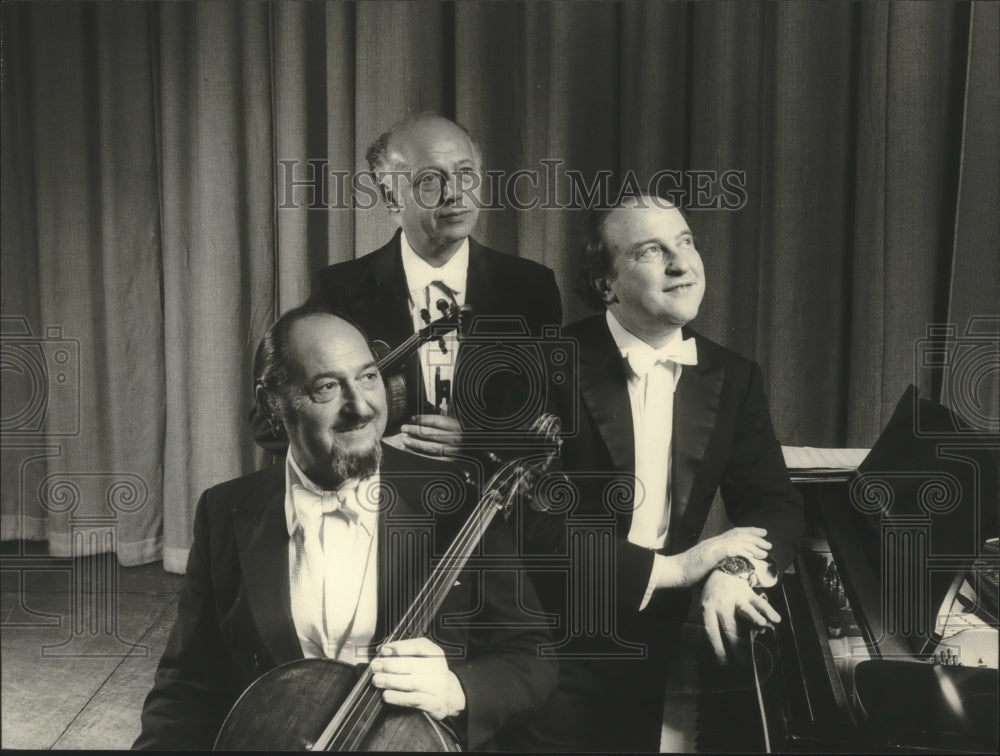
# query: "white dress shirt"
332,564
651,384
428,284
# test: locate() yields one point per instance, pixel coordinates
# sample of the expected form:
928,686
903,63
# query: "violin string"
407,345
394,355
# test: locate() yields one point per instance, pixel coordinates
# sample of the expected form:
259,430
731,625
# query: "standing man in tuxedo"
308,559
427,170
667,417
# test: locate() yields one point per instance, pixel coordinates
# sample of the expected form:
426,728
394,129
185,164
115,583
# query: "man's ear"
265,407
603,288
389,197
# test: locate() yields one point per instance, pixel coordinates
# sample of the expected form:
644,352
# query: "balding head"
427,169
387,153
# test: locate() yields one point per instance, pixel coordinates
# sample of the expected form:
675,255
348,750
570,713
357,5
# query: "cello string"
363,702
457,554
338,738
413,617
365,708
447,570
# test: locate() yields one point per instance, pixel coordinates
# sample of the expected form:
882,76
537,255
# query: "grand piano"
890,639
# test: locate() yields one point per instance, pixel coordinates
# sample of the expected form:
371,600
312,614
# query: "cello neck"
347,729
417,619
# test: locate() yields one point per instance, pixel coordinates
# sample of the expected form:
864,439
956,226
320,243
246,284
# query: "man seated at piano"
669,417
308,559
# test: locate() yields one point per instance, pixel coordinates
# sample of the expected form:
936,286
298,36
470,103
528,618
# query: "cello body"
288,708
321,704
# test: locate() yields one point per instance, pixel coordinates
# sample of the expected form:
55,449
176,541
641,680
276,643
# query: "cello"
323,704
328,705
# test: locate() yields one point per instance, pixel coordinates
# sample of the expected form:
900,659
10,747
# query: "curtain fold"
91,237
173,173
218,243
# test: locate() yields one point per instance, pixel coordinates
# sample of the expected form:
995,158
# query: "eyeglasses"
433,186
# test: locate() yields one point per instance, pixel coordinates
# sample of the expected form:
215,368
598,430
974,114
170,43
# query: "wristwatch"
740,567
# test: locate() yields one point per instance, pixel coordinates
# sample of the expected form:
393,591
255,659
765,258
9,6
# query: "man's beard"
361,464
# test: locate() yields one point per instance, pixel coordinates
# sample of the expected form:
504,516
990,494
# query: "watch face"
736,565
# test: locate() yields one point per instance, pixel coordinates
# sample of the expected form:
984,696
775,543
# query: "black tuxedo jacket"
510,296
723,440
234,619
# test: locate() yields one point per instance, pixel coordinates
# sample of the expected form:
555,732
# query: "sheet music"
811,458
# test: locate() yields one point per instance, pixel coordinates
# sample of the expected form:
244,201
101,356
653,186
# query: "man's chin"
359,463
456,229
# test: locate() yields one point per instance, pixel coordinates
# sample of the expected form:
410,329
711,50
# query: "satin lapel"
262,542
604,386
696,406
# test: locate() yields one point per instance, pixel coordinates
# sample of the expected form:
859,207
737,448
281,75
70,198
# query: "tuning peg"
444,349
442,306
425,315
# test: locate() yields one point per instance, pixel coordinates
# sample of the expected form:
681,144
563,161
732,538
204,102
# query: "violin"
390,361
327,705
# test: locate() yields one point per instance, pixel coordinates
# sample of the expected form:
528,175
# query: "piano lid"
923,502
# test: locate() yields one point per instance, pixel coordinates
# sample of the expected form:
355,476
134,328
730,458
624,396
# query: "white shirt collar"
419,273
626,340
368,487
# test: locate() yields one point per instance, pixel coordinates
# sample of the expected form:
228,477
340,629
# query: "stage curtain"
172,173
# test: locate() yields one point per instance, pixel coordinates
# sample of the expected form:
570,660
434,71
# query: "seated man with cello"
313,578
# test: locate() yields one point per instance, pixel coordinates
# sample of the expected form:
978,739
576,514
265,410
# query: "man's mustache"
354,423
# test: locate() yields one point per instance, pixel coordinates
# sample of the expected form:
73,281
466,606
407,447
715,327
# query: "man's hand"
701,558
724,599
414,673
434,435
